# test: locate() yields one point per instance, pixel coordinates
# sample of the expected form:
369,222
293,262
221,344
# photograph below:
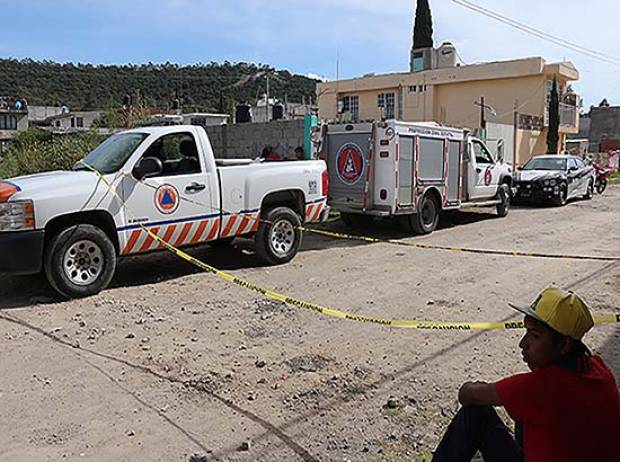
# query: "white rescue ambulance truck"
73,227
410,170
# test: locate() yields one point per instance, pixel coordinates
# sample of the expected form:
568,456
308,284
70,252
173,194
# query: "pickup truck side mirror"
147,167
520,167
573,169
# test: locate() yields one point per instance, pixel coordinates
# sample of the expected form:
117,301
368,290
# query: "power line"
538,33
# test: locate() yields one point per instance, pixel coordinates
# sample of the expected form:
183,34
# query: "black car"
553,178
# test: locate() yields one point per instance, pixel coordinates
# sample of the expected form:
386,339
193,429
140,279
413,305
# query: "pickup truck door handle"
195,187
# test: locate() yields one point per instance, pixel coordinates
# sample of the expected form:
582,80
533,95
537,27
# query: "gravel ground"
171,362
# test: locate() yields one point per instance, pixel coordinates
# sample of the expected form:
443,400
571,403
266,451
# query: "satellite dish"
19,105
64,109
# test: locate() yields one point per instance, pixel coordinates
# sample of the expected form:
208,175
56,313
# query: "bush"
36,150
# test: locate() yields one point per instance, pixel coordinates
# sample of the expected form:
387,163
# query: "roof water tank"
243,114
446,56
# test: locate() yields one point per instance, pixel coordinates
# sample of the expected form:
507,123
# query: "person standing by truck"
567,408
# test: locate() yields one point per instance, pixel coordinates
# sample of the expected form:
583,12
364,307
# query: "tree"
553,135
423,26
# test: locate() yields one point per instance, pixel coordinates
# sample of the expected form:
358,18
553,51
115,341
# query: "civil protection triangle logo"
350,163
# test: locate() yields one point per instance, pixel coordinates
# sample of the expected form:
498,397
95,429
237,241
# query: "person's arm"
479,394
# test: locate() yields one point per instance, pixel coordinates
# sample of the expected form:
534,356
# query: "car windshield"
545,163
112,154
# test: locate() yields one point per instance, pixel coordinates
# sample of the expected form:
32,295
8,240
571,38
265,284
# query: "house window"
72,122
351,104
8,122
79,122
386,101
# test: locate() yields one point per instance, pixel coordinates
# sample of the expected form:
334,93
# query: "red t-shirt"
567,416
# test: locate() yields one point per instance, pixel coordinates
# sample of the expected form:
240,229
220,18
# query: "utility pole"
482,121
267,100
515,131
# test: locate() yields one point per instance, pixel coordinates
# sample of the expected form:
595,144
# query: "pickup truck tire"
79,261
278,237
503,194
427,218
356,220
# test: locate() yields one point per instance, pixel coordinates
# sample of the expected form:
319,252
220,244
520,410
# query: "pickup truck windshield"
546,164
112,154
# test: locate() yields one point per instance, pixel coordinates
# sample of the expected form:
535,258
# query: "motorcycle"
601,178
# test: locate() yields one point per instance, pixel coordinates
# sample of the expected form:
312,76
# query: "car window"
580,163
545,163
572,163
177,152
481,154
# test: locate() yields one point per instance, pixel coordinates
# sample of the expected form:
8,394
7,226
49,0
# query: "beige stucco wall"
450,94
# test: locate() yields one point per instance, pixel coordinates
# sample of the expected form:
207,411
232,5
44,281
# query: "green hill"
200,87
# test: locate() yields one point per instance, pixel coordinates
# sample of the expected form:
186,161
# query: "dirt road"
170,361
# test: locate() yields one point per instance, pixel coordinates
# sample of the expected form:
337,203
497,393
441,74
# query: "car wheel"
563,196
279,236
80,261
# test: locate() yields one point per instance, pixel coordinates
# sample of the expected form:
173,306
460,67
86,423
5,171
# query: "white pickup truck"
73,227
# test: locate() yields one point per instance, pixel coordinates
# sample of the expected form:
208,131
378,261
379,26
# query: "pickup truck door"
483,172
179,204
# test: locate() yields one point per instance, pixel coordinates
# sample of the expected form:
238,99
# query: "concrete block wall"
241,141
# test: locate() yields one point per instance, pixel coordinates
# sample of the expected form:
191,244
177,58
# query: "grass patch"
614,179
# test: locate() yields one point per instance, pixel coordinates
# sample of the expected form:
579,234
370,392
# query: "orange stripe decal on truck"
200,231
132,241
169,232
244,223
184,232
213,233
149,240
229,225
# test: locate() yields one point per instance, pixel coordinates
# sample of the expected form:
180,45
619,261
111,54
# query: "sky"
307,37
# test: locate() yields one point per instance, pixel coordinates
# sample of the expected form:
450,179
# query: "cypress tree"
423,26
553,135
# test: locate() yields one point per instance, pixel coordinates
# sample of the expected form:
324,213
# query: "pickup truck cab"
73,226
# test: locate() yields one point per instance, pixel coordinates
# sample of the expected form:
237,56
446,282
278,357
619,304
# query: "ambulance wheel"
356,220
504,196
278,237
79,261
427,218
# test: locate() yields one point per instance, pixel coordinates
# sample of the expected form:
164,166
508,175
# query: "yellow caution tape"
334,313
510,253
507,253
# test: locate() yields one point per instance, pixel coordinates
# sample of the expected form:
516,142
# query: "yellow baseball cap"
563,311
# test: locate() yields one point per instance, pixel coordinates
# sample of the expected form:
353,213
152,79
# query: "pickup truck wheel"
503,194
356,220
278,237
427,218
80,261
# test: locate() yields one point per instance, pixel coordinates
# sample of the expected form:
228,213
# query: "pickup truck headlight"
17,216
